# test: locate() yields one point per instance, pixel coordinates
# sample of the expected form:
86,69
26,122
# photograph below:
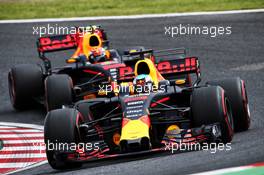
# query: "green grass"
18,9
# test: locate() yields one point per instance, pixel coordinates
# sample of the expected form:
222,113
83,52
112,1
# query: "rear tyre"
236,92
59,91
210,105
25,82
61,126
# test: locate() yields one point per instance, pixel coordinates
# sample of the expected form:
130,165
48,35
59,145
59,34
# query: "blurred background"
21,9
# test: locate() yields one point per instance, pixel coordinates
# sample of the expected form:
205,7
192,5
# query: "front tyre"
210,105
236,92
61,127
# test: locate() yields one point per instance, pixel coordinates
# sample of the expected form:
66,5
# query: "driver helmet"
143,83
98,55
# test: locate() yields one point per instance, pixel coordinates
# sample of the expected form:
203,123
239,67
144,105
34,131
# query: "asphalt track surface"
220,57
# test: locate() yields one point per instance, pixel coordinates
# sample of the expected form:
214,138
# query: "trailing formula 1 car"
54,87
147,113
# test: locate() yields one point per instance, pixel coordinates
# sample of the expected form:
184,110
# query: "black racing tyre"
61,127
58,91
210,105
25,82
236,92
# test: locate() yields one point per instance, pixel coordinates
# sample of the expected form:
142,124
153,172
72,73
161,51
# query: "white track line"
21,148
22,130
22,125
36,155
20,135
6,127
250,67
129,16
23,141
15,165
225,170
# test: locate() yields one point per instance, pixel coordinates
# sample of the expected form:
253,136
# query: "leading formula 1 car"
147,120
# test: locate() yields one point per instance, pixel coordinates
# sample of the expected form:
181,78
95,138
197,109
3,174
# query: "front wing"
204,134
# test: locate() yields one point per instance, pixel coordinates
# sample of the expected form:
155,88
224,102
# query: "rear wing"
64,42
174,63
68,41
169,54
184,65
56,43
170,63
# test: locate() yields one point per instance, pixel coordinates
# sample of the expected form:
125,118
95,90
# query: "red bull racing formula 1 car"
153,104
57,86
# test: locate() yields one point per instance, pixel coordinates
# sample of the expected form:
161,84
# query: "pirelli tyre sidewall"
237,94
210,105
25,82
58,91
61,127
